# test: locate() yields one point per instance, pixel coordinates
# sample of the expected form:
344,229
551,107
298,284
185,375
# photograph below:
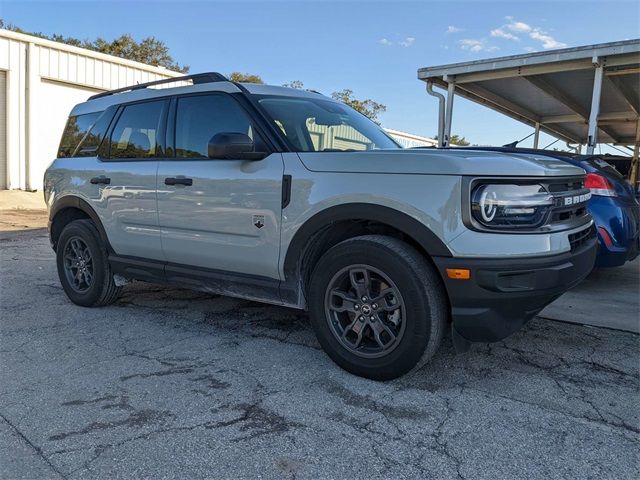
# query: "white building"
409,140
40,81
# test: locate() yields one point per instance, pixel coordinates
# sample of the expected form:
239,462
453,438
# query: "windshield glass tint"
316,125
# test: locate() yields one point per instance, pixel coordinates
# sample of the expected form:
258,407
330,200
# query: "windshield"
316,125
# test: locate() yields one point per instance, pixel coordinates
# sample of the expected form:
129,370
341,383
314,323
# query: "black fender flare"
400,221
72,201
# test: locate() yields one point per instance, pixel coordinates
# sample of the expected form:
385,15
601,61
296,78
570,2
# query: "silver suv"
288,197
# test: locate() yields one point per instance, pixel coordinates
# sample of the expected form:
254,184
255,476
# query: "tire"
81,236
415,292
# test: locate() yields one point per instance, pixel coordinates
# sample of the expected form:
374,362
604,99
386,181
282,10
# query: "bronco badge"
258,221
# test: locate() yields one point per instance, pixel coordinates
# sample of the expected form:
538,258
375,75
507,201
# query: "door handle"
101,179
178,181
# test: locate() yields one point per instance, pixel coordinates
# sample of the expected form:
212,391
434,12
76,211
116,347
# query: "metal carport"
583,95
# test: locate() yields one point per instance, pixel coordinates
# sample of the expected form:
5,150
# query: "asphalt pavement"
169,383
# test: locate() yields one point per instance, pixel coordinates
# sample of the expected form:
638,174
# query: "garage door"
3,130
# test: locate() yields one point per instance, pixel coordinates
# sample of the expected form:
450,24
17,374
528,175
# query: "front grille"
567,215
566,185
578,239
570,208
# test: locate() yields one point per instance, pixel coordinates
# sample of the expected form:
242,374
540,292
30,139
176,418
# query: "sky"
372,47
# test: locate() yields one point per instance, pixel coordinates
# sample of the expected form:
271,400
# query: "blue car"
614,208
613,205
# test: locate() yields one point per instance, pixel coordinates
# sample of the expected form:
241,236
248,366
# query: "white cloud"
453,29
470,44
530,49
407,42
500,33
473,45
547,40
516,26
535,33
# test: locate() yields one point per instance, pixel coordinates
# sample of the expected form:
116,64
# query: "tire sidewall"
89,235
418,314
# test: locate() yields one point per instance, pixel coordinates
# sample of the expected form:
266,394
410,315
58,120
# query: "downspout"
29,124
440,98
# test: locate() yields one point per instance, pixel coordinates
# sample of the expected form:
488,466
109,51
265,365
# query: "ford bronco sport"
285,196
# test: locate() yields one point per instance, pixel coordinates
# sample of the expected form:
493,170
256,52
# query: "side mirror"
233,146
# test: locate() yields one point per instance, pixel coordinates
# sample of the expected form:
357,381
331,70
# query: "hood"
438,162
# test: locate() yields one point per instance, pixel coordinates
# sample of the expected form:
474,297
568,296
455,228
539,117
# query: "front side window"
76,129
135,134
200,117
317,125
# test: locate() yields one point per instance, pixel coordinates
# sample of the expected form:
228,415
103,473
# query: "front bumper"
503,294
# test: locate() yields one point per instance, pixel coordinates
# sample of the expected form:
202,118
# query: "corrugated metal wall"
338,136
44,80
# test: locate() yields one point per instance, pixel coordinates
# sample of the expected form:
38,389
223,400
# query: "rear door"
215,213
126,183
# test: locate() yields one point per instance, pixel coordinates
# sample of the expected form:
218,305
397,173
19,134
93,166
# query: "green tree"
245,78
367,107
149,50
457,140
294,84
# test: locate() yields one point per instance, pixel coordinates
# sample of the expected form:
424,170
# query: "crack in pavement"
137,419
33,446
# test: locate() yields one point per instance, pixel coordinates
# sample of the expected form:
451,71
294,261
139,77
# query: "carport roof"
554,89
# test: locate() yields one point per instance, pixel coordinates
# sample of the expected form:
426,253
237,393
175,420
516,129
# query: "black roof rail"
196,78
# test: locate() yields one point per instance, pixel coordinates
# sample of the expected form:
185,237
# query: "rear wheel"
377,306
83,266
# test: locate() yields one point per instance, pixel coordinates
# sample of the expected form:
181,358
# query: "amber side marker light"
459,273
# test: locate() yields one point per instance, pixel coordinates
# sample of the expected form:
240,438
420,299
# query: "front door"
213,213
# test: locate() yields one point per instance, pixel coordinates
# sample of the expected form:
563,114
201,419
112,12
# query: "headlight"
510,206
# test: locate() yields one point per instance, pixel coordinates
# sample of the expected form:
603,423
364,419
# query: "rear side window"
200,117
135,134
76,129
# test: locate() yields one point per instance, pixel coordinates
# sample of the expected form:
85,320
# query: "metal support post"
633,174
536,136
449,113
592,137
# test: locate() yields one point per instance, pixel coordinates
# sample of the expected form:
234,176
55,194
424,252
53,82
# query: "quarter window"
136,132
77,127
200,117
89,145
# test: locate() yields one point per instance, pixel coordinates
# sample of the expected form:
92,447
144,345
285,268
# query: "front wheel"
377,306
